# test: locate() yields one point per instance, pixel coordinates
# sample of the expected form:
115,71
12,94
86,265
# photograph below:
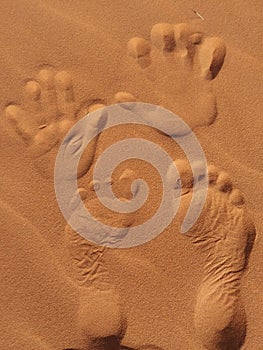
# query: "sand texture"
201,60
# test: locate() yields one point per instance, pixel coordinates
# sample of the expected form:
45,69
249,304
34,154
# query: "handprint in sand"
48,112
181,63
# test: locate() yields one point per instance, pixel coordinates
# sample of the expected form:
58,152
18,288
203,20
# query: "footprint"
87,257
100,313
181,63
48,112
225,234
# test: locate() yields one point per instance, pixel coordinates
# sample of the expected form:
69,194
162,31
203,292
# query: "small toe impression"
138,47
82,193
94,185
128,174
122,97
95,107
224,184
186,175
211,57
98,119
88,107
196,38
237,198
74,202
162,36
185,180
125,182
109,181
213,173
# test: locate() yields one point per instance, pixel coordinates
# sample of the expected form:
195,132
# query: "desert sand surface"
62,59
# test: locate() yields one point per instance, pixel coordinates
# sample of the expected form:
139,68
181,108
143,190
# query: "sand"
61,59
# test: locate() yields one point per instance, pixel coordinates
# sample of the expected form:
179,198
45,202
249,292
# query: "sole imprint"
100,314
225,234
181,63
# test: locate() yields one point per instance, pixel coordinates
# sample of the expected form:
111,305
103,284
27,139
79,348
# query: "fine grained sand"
175,292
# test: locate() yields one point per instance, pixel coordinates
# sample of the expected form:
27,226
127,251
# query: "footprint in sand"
101,315
181,64
225,234
48,112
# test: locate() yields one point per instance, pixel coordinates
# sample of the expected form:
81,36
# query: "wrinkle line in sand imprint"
75,142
